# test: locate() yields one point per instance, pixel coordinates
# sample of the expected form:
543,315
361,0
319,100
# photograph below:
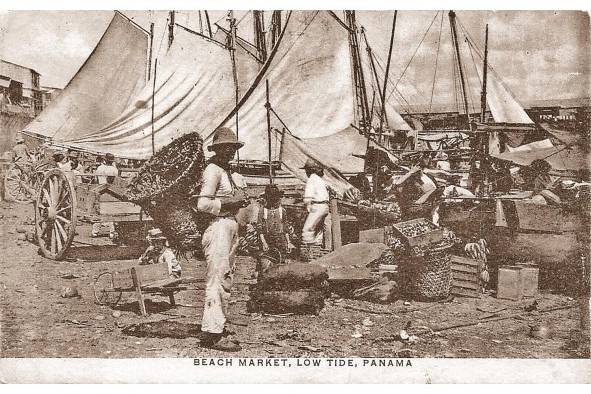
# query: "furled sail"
194,92
113,73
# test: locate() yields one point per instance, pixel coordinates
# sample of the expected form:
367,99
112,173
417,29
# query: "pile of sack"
299,288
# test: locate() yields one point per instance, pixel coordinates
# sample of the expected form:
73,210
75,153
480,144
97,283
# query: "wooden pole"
452,22
208,24
151,50
268,107
484,77
171,29
383,112
153,93
335,224
232,46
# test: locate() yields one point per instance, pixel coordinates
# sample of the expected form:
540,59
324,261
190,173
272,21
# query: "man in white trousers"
221,196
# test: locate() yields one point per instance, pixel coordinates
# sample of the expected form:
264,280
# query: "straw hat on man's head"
223,136
155,234
312,165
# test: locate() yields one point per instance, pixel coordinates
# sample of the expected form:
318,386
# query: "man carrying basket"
221,196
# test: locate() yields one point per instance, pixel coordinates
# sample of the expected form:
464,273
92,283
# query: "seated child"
159,252
272,225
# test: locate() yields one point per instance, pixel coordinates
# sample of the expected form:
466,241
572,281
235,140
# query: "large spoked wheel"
17,183
104,292
55,214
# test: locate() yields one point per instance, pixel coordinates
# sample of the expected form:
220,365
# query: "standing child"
159,252
272,226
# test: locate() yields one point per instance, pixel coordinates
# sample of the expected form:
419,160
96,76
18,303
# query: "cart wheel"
55,214
104,293
17,183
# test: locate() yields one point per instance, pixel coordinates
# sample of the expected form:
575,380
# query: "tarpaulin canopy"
194,92
559,157
113,73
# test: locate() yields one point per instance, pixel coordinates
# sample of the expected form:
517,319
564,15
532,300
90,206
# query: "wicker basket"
164,186
428,277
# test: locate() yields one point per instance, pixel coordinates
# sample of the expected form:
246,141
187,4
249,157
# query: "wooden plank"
464,268
465,284
122,279
374,235
152,273
461,260
118,208
464,292
335,222
460,276
138,291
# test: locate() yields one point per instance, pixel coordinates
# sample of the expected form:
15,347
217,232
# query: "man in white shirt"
221,196
107,171
316,199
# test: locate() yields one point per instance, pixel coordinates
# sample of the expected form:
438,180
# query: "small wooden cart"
142,279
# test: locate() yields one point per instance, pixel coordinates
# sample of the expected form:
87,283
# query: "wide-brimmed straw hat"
155,234
312,164
272,191
224,136
441,156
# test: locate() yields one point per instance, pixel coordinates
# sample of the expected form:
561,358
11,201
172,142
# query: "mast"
452,23
153,93
275,27
171,29
484,76
208,24
383,112
200,23
259,34
360,90
374,71
151,50
232,46
268,107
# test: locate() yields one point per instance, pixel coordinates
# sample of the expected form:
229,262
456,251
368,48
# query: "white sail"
113,73
194,91
311,85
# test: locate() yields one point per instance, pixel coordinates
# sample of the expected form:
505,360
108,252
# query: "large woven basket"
428,277
164,186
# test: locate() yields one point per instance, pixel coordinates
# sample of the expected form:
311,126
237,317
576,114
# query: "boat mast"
171,28
208,24
268,107
375,73
259,34
361,93
383,112
275,27
484,76
452,22
151,50
232,46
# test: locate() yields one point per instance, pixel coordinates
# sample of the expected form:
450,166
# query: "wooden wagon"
61,204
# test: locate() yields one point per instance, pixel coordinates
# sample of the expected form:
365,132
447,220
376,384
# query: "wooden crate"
465,274
435,234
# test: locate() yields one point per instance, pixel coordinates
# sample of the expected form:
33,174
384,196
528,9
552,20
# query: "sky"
538,54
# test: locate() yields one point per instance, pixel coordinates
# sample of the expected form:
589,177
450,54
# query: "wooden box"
433,235
465,273
509,286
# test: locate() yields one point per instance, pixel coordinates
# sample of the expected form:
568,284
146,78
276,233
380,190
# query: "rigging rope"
436,63
416,50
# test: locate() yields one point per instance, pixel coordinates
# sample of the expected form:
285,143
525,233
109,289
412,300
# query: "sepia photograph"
348,189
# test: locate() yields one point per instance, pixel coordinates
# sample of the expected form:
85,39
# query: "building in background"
48,94
20,86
